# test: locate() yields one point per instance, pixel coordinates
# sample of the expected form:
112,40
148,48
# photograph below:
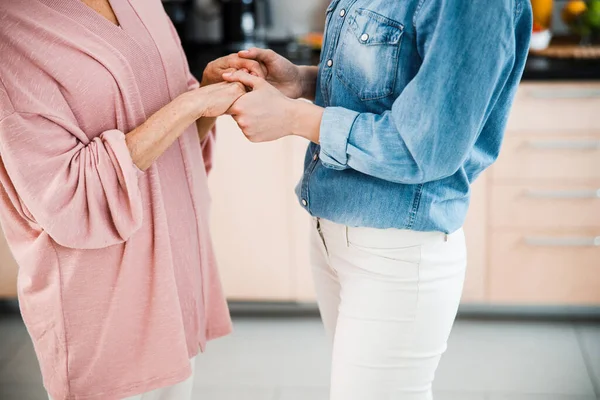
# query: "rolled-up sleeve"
433,124
337,123
83,193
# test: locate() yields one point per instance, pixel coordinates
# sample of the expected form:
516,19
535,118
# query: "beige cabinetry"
261,234
8,271
533,228
544,191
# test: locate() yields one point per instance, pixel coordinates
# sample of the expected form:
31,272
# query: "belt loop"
347,239
446,237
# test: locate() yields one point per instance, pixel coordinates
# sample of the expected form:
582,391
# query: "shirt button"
364,37
343,13
315,157
330,63
304,202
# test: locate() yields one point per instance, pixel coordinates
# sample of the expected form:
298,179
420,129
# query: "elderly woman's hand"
214,100
215,70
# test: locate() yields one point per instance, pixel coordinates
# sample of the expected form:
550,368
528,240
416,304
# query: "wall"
294,17
557,25
290,18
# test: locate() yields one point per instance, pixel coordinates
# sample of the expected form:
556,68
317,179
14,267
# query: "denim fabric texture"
417,95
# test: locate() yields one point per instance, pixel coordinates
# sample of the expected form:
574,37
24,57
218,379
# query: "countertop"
552,69
537,68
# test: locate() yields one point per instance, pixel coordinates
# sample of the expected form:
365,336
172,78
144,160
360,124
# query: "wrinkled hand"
214,100
280,72
263,114
213,73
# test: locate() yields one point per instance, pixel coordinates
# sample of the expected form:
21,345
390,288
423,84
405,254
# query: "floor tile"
459,396
514,357
234,393
589,339
323,394
12,335
538,397
288,359
265,352
303,393
22,369
11,391
251,356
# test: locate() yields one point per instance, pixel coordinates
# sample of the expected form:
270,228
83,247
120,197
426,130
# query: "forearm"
151,139
305,119
204,126
308,81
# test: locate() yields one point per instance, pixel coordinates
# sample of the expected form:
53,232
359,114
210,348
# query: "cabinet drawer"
567,158
556,107
8,270
545,269
545,206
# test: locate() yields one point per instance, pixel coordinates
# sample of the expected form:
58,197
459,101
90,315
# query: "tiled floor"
287,359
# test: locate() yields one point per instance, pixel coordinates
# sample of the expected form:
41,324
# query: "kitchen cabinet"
533,228
251,224
8,271
544,191
261,234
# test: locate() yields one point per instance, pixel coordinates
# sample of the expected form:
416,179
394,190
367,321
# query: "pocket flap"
373,29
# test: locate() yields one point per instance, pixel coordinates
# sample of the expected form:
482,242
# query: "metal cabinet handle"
564,93
564,194
565,145
563,242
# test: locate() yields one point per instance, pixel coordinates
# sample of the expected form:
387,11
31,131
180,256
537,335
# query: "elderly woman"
105,142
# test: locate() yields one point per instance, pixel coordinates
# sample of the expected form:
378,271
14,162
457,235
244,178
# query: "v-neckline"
112,8
90,18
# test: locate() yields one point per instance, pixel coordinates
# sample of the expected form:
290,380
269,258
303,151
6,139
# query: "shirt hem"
133,389
219,332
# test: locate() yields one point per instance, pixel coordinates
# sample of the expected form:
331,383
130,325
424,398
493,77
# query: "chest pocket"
367,60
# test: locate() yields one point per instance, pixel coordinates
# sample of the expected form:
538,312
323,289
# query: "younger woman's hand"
279,71
214,100
264,113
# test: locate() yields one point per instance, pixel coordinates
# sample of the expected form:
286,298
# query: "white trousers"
388,299
180,391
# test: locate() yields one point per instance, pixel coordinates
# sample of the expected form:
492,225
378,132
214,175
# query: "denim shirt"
417,95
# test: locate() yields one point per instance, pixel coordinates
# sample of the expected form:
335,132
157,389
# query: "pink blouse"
117,284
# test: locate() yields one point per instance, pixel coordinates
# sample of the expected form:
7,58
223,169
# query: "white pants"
180,391
388,299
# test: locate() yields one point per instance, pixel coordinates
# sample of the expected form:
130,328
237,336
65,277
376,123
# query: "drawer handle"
565,93
564,194
565,145
563,242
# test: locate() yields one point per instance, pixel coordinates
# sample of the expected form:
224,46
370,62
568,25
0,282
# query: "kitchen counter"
537,68
552,69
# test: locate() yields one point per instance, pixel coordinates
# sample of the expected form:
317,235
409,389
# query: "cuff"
121,156
336,126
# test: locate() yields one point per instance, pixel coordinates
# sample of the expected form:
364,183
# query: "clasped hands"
270,107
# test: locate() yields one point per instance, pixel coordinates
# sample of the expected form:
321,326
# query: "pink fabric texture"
117,284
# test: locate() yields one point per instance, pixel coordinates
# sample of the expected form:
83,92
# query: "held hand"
280,72
215,70
214,100
264,114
